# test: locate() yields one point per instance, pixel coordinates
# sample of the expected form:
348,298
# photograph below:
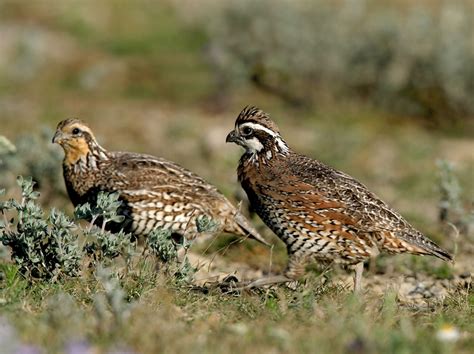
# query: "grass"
145,308
165,317
157,96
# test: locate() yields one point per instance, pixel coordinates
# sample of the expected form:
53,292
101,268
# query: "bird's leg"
294,270
374,252
296,266
358,269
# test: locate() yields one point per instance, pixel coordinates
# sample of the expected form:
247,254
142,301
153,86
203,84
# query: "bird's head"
257,134
76,138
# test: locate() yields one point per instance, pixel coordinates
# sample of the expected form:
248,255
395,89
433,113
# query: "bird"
154,192
321,214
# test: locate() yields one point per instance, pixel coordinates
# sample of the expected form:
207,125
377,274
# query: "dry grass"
138,77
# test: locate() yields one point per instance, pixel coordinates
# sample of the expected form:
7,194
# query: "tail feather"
247,229
437,251
429,247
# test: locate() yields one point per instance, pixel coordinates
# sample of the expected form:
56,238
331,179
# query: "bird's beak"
58,137
232,137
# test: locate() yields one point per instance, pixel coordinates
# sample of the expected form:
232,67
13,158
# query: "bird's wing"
338,196
140,171
339,191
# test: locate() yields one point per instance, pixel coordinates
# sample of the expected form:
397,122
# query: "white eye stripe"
256,126
253,144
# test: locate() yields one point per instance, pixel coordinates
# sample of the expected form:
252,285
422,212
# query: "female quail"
154,192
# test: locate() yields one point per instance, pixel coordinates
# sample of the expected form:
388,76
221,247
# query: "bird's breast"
78,181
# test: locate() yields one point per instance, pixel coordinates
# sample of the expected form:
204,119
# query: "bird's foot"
270,280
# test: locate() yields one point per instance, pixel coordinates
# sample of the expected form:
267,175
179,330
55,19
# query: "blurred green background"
381,90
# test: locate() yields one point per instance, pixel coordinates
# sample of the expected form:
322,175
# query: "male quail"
320,213
154,192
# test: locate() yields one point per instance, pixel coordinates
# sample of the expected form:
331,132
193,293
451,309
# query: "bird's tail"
247,229
428,247
437,251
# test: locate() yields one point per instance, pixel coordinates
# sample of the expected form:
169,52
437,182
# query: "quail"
321,214
155,193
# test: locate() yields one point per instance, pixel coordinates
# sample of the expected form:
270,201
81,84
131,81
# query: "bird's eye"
247,131
76,131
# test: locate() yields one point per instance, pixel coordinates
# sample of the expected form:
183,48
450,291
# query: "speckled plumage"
154,192
320,213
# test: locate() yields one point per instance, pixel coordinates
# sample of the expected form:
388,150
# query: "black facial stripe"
262,135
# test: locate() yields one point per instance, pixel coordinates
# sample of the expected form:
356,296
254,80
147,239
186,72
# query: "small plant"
165,247
102,245
43,247
161,243
450,191
105,210
53,246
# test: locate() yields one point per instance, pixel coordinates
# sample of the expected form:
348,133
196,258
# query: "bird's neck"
264,165
84,156
271,151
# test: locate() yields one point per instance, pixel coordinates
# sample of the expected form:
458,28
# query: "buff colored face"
73,138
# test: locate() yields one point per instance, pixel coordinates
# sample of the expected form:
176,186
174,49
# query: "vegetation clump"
54,246
42,246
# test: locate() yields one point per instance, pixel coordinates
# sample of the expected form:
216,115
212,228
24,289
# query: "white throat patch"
253,145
